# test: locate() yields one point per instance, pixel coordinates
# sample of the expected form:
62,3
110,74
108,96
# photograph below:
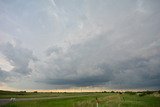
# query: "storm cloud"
96,62
105,43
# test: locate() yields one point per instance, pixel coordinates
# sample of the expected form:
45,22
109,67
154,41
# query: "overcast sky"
56,44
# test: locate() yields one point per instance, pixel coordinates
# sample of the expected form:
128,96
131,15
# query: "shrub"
130,92
149,92
142,94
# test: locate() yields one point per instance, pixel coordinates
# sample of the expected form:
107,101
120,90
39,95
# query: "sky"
60,44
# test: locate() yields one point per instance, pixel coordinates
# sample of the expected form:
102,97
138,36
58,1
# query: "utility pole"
97,101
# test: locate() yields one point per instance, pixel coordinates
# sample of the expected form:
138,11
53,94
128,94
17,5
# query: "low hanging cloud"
97,62
19,58
77,68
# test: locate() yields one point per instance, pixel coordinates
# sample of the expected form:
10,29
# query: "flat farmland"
127,99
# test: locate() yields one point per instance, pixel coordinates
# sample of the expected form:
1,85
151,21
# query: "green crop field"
128,99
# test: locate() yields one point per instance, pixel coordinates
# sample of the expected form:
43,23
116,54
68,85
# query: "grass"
89,100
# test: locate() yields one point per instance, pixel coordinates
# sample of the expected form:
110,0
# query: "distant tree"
35,92
130,92
120,92
104,91
21,93
112,92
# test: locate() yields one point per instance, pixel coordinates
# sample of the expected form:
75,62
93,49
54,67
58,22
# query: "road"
5,101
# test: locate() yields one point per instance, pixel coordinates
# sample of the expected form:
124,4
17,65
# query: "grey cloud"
90,64
111,43
126,56
53,50
74,78
3,75
19,58
138,72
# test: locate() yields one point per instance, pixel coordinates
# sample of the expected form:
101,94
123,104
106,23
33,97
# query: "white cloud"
4,64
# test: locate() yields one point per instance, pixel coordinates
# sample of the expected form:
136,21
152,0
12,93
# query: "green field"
128,99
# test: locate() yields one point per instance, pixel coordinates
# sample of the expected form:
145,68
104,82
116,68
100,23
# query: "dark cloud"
93,63
85,79
138,73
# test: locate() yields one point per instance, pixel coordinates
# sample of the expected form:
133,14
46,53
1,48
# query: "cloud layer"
108,43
